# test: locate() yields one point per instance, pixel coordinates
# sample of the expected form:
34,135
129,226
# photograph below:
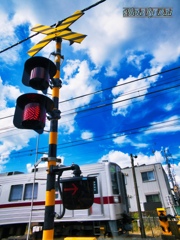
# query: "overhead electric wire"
111,103
95,113
136,90
53,25
62,122
127,93
130,130
125,132
107,104
122,100
122,84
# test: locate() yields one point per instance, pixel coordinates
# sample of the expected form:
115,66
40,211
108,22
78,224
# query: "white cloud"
78,80
110,39
126,91
169,107
135,59
8,93
166,52
87,135
171,124
120,140
14,139
106,30
109,34
176,169
124,140
123,159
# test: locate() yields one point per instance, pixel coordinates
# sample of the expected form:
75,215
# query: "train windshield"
114,180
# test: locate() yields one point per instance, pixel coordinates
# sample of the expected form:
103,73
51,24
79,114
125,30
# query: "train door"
97,209
116,190
122,186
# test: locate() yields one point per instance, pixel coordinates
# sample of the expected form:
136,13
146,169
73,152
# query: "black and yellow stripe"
63,25
66,34
48,230
59,31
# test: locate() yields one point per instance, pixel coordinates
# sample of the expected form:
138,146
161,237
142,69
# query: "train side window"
114,180
28,191
122,187
16,192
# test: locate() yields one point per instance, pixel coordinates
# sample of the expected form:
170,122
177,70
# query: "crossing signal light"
164,221
31,108
30,112
78,192
37,73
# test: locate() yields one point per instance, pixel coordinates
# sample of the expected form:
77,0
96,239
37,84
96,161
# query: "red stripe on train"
97,200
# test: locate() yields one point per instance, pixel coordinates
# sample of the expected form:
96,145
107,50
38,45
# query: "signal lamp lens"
39,78
34,115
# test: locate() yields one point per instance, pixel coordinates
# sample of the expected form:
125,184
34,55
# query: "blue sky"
129,107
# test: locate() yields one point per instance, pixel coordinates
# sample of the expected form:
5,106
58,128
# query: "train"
22,203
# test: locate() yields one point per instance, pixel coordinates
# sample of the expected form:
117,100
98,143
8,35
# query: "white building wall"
158,186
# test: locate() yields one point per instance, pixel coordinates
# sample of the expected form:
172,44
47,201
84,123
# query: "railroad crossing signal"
78,192
31,108
60,31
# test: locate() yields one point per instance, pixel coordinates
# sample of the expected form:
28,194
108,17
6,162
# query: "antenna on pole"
175,188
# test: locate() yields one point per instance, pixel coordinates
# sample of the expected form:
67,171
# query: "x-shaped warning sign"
61,30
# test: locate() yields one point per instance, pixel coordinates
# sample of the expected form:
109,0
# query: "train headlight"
116,199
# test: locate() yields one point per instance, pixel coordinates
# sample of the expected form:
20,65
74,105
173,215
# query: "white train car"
22,201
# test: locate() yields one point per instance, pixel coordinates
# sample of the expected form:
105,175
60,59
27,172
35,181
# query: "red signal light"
35,115
31,109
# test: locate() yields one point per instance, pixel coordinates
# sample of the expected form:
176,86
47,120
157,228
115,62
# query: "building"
153,188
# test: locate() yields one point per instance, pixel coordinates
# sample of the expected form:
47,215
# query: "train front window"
29,191
114,180
16,192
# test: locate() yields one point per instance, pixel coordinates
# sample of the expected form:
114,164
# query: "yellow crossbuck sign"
62,31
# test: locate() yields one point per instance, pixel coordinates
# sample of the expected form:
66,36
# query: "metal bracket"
54,114
56,54
55,82
60,169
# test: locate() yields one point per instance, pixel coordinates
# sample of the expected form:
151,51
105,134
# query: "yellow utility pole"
48,231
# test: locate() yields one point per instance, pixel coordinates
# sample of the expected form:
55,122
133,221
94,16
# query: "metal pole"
143,234
48,230
32,197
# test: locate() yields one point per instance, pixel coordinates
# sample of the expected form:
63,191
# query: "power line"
105,105
111,103
127,93
122,84
123,100
124,132
102,90
53,25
